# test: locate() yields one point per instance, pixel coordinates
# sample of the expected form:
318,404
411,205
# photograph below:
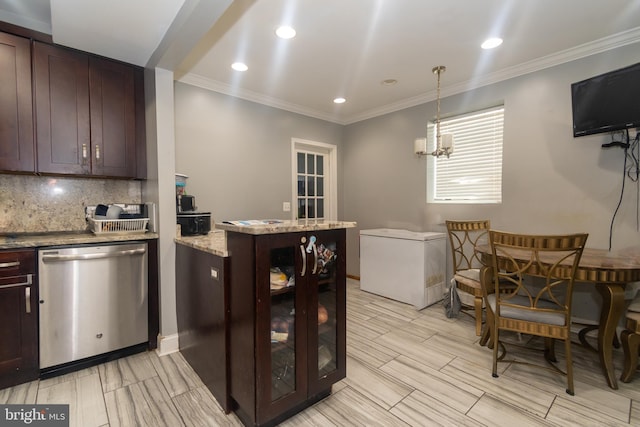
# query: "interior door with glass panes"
326,319
312,178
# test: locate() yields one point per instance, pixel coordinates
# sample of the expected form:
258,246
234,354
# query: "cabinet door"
18,319
113,118
16,111
61,86
281,324
327,310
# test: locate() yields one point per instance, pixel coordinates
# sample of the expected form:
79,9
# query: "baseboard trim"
351,276
167,345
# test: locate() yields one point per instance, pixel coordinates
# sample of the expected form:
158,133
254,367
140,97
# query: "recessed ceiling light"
285,32
388,82
239,66
491,43
339,100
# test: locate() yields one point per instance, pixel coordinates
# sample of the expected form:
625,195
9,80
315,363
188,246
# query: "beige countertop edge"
60,239
214,242
286,227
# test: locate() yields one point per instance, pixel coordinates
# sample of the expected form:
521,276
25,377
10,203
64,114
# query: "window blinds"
473,173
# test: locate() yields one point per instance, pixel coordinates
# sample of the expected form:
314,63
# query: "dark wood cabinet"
61,90
17,148
18,318
87,114
202,306
113,118
288,321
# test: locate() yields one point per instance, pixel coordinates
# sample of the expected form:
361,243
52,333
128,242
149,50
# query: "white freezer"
403,265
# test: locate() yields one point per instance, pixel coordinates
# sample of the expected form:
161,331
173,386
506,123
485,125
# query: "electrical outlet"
214,273
286,206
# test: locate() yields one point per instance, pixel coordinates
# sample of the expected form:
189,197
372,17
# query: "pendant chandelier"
444,142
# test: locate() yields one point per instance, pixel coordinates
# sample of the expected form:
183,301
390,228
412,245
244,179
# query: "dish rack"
118,226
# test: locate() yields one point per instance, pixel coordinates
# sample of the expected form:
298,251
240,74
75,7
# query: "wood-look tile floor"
404,367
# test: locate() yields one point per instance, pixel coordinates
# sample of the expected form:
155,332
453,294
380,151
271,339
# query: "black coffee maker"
185,203
191,221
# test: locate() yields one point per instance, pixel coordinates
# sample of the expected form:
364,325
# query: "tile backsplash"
44,203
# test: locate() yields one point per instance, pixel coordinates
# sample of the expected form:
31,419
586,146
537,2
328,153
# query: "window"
473,172
314,185
310,177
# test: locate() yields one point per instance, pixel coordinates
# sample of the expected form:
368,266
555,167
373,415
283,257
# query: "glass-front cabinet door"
281,329
327,299
300,331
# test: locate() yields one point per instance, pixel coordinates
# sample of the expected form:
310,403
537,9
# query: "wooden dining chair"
630,338
540,272
464,236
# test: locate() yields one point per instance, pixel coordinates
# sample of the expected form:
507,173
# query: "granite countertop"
214,242
269,227
59,238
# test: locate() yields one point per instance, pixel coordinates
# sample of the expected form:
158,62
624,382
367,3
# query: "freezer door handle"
99,255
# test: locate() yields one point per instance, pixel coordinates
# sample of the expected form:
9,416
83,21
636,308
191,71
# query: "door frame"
330,199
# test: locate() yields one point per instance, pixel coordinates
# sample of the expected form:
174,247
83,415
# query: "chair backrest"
519,258
464,236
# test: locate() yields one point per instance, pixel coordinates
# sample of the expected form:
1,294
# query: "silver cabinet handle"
97,152
310,248
10,264
304,261
27,297
49,258
84,151
315,261
29,282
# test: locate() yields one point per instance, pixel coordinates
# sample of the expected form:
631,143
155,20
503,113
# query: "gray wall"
237,153
552,182
238,156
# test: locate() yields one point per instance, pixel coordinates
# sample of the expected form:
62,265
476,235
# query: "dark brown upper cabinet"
16,110
86,121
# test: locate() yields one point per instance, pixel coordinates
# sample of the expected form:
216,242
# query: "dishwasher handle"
99,255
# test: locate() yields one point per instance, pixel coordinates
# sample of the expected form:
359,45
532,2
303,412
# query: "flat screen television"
607,103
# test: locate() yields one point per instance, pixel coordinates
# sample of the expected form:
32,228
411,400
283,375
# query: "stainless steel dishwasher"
93,300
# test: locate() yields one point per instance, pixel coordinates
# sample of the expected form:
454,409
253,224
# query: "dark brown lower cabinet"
287,330
202,310
18,318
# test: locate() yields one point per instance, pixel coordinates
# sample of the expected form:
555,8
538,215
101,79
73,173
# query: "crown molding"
598,46
248,95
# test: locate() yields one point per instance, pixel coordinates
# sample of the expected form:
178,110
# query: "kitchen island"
287,315
262,313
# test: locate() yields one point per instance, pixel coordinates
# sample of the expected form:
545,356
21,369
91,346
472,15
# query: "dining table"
609,272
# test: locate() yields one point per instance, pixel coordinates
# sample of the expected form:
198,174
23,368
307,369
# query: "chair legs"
630,345
477,304
569,359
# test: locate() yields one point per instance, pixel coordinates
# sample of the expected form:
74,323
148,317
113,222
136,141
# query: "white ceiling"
344,47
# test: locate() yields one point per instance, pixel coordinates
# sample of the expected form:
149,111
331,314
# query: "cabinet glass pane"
302,208
301,164
327,306
320,165
301,186
320,186
283,310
